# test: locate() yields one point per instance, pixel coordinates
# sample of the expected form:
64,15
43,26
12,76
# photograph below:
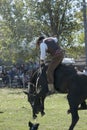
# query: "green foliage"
75,49
25,19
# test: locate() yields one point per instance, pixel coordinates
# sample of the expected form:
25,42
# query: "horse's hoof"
69,111
34,116
42,113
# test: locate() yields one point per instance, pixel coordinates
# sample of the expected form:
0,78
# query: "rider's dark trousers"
56,60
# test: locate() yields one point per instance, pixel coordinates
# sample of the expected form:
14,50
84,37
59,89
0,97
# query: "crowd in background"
16,75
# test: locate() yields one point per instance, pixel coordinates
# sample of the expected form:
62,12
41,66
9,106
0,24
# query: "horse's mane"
34,72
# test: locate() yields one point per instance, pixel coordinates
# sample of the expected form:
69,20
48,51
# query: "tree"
26,19
62,18
55,17
15,27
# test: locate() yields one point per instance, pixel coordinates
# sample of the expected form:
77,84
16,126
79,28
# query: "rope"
39,72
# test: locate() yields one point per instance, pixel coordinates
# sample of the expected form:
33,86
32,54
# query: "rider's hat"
39,40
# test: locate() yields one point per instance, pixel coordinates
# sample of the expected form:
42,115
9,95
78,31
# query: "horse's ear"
26,92
30,124
37,125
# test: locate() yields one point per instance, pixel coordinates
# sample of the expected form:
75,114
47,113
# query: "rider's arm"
55,39
49,38
43,48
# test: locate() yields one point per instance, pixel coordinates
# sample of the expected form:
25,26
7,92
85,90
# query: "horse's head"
31,98
36,87
35,103
33,126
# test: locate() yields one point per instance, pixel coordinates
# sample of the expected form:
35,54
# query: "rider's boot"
51,88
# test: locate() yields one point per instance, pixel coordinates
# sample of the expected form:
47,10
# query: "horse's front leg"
42,106
34,115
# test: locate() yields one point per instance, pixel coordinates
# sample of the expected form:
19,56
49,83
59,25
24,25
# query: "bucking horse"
66,80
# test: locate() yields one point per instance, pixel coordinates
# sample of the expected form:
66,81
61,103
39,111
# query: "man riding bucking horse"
50,45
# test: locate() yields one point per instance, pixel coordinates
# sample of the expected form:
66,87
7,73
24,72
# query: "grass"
15,112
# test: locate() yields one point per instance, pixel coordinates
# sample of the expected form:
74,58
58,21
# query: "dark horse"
66,80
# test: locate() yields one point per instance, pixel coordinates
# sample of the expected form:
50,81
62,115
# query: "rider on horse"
51,46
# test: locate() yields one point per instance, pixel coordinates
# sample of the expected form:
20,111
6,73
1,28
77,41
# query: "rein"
31,84
39,72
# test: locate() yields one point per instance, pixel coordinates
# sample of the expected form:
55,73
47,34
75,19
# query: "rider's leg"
51,88
50,71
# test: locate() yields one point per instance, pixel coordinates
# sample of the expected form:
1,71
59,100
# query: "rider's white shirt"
43,48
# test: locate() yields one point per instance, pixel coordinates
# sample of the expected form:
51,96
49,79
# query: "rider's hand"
42,63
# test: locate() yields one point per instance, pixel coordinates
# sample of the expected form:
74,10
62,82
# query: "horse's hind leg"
75,118
83,105
74,112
